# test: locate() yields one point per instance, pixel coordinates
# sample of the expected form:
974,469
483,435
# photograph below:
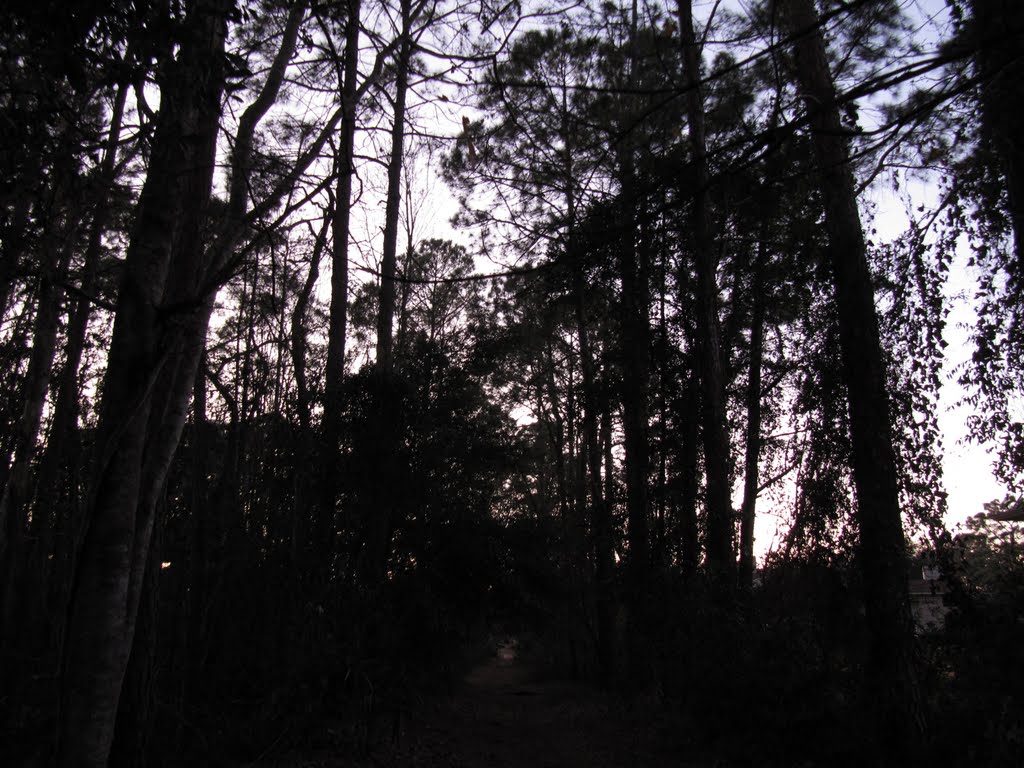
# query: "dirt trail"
505,716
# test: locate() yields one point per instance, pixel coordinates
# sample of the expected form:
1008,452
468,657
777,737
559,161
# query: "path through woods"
506,716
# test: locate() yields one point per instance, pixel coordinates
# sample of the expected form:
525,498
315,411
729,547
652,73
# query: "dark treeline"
275,455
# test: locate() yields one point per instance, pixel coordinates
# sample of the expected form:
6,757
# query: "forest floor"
505,715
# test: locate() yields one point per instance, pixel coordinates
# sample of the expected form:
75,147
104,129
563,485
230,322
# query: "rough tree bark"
135,714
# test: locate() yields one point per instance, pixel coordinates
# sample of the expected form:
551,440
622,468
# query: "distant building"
927,601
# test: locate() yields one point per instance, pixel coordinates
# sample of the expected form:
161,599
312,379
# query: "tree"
721,559
137,432
882,545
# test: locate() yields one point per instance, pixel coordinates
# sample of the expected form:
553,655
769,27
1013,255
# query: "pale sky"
967,466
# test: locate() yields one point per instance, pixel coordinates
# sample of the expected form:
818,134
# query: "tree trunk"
558,439
383,514
148,343
197,600
660,538
226,527
53,516
609,455
55,257
600,519
882,548
688,481
718,539
13,238
298,333
752,452
11,383
389,253
334,372
635,349
302,555
408,271
135,712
